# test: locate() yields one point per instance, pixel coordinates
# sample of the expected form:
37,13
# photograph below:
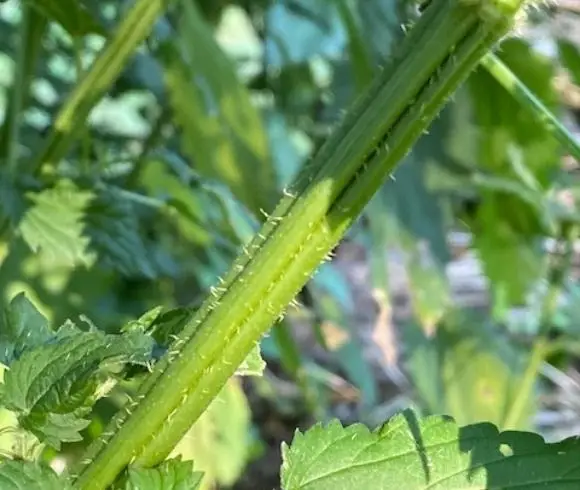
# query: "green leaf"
218,441
112,225
22,327
53,225
570,56
55,428
430,453
223,132
172,474
51,387
253,365
26,475
72,15
467,370
513,146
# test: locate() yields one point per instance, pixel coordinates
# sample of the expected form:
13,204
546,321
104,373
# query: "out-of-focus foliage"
190,149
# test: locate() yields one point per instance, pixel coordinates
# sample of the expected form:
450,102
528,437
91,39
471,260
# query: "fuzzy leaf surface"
172,474
26,475
431,453
52,386
53,225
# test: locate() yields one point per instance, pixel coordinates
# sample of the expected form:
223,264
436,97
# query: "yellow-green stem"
440,51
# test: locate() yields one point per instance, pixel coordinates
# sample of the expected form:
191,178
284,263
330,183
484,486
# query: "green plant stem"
498,69
32,31
32,28
72,117
542,345
525,387
440,51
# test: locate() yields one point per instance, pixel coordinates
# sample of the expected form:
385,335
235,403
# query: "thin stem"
502,73
542,345
526,384
85,135
17,94
72,117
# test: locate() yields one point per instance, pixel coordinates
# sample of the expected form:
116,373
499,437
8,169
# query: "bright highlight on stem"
440,51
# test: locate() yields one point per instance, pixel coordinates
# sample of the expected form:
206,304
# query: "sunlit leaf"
53,225
26,475
172,474
430,453
222,131
467,370
52,386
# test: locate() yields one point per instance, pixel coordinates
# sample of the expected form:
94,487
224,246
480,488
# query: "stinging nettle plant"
53,378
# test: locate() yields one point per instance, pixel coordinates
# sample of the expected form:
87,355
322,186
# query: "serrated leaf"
72,15
51,386
26,475
431,453
223,132
218,441
54,428
53,225
172,474
22,327
113,228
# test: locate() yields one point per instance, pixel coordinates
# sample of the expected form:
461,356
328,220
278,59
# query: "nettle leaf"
22,327
72,15
26,475
53,226
223,131
55,428
70,226
431,453
112,225
52,387
172,474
